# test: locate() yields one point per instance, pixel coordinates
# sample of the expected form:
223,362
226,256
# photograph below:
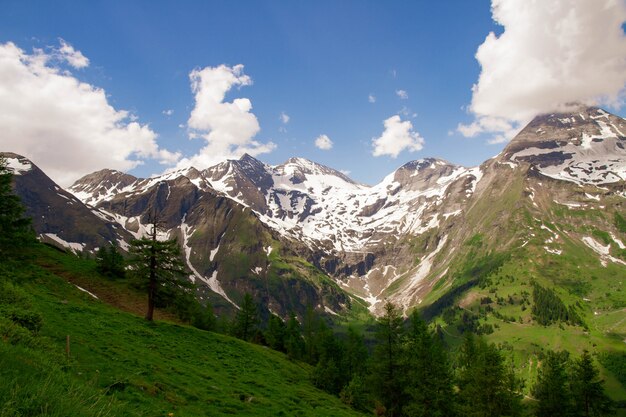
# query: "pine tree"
294,343
109,262
330,373
429,384
355,393
552,389
388,378
311,328
246,320
486,387
587,390
275,333
158,266
356,353
15,229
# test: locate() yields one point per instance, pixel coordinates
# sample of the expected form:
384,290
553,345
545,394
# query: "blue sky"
317,62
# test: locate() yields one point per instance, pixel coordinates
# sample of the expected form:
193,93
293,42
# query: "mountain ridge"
397,239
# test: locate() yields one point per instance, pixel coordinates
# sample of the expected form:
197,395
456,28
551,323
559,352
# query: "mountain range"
301,234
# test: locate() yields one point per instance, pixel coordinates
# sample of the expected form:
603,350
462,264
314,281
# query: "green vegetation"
567,388
157,267
110,262
620,222
120,364
548,308
15,229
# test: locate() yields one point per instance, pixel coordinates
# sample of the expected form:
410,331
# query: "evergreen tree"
158,267
587,390
312,327
486,388
355,393
429,384
552,388
15,229
246,320
275,333
388,377
109,262
203,317
356,353
330,373
294,343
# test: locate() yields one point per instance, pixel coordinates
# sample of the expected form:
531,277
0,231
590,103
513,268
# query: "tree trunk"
152,285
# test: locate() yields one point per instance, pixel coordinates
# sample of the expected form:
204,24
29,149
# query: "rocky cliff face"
58,216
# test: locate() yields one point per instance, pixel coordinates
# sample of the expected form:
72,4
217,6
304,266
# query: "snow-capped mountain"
331,213
247,226
585,147
58,216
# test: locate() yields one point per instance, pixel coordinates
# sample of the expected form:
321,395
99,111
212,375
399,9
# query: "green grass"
121,365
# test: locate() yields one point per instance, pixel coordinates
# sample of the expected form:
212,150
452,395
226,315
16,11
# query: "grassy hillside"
121,365
526,231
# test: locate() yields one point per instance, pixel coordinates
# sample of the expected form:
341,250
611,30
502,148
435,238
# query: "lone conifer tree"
157,265
15,229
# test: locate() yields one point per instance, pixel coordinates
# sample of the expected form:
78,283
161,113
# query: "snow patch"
18,167
553,251
212,282
85,291
618,241
596,246
329,311
76,247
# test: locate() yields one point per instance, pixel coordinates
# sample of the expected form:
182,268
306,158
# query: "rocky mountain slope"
246,225
58,216
227,250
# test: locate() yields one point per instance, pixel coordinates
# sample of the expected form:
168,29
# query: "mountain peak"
247,157
586,145
17,163
425,163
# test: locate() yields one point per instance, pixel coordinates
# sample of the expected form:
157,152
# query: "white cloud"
73,57
371,98
402,94
227,127
551,55
397,137
284,118
66,126
168,112
323,142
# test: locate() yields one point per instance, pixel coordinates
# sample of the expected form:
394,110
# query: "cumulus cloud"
66,126
168,112
551,55
324,143
284,118
397,137
371,98
228,128
73,57
402,94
